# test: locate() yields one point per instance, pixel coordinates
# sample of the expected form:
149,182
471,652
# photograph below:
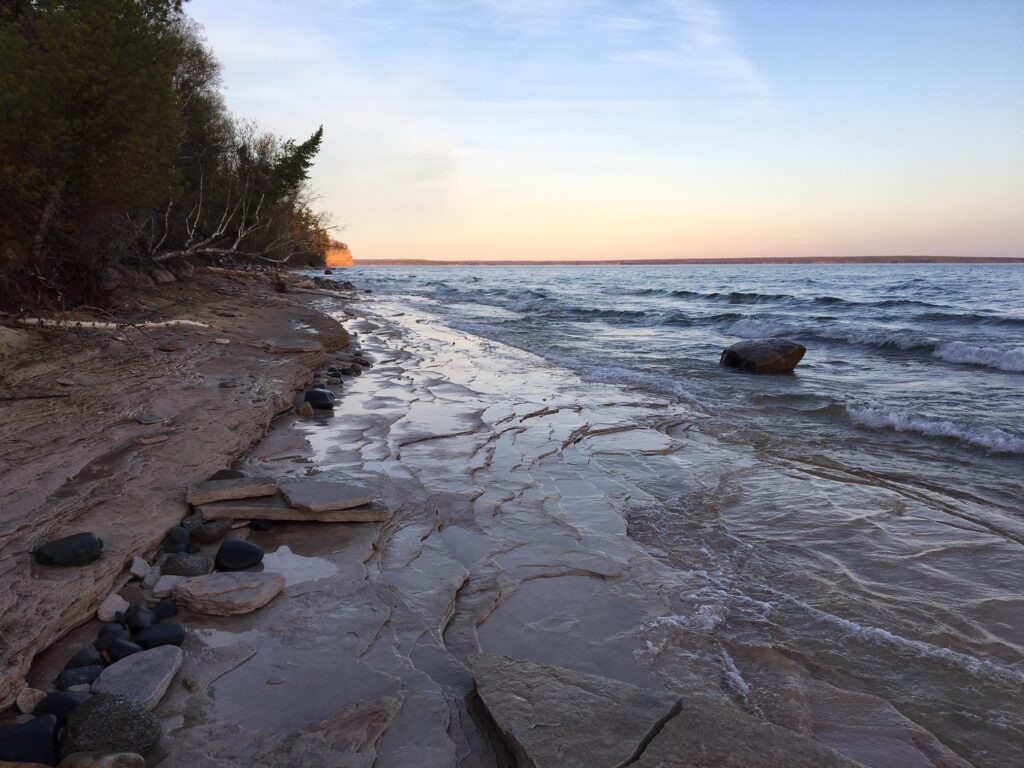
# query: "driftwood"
95,325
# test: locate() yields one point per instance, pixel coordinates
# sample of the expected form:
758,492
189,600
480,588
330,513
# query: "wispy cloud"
697,35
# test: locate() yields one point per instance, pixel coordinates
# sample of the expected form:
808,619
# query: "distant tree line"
116,148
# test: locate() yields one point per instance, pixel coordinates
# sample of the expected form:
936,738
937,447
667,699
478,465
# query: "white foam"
1002,359
872,338
989,438
914,647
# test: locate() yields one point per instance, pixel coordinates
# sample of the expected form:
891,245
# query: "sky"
594,129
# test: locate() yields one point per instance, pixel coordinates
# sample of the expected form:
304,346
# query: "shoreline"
765,260
131,418
511,497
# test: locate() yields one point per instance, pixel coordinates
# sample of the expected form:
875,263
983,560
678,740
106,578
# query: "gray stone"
70,678
763,356
151,578
29,699
144,676
139,568
324,496
229,594
276,508
233,488
183,564
165,585
110,724
112,605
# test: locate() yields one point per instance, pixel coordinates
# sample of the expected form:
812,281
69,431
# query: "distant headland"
753,260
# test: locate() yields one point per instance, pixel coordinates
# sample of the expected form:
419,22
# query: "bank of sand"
510,483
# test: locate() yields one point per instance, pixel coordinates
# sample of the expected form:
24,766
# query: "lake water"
862,518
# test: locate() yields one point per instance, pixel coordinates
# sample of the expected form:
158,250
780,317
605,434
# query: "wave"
1001,359
985,437
752,328
909,646
884,339
973,318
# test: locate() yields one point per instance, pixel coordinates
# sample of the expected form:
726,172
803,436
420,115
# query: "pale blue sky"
668,128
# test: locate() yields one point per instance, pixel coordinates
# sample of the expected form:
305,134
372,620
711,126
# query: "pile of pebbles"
100,713
319,397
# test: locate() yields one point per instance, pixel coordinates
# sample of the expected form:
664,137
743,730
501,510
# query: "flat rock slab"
144,676
707,734
234,488
276,508
325,496
229,594
551,717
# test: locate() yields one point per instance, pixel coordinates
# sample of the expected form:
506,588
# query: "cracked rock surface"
551,717
508,484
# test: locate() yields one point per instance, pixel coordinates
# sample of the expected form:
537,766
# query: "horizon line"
890,259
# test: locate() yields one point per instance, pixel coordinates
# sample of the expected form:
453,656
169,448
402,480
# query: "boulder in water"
763,356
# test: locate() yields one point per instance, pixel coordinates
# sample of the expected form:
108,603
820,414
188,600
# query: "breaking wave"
987,438
1001,359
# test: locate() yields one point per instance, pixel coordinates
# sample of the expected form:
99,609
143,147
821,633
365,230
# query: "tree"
116,145
88,132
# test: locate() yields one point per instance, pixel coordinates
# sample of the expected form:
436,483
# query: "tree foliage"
116,146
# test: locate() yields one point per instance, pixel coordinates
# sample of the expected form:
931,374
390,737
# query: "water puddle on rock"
297,569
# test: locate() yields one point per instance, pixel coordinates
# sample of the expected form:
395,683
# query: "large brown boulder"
763,356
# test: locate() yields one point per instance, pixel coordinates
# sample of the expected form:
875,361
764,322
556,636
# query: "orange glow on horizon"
338,255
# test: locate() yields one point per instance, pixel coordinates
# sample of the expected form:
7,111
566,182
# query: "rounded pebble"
31,742
165,633
238,555
110,724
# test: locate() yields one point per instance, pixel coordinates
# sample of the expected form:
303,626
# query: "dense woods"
117,150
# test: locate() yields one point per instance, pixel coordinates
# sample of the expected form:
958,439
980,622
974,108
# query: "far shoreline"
688,262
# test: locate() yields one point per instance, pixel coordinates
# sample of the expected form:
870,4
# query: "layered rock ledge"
141,415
